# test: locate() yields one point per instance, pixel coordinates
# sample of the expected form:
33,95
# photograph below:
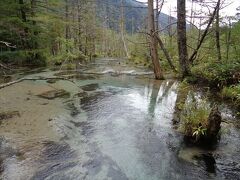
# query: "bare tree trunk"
157,16
168,57
122,30
194,54
67,28
157,27
191,18
79,26
228,39
170,34
217,34
24,19
158,12
33,12
153,42
182,38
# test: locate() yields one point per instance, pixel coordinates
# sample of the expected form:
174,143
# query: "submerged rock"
74,110
54,94
90,87
9,114
81,94
209,161
52,81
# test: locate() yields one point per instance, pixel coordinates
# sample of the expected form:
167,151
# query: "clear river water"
116,123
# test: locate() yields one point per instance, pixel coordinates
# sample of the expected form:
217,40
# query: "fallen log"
33,79
11,83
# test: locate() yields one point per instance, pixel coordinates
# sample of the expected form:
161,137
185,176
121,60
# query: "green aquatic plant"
194,117
199,131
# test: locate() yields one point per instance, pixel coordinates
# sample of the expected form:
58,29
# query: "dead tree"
160,42
67,28
153,42
211,19
217,34
122,29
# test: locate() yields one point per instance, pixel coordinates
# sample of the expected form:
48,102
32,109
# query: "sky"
228,11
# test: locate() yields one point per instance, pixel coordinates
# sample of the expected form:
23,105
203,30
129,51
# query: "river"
116,123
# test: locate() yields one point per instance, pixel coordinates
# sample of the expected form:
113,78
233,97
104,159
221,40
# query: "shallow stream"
115,124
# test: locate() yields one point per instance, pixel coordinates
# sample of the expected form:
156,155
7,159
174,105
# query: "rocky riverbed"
107,121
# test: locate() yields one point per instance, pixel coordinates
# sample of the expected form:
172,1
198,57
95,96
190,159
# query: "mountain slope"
135,14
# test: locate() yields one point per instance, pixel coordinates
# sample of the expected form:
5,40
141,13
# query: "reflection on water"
123,131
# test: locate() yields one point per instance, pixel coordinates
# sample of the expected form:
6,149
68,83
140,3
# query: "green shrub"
69,57
217,73
34,57
232,92
194,117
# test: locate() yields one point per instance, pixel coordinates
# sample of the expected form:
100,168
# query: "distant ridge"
135,14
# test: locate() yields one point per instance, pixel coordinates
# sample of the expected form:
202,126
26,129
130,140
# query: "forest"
119,89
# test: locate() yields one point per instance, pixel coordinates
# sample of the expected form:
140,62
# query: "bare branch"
193,56
8,44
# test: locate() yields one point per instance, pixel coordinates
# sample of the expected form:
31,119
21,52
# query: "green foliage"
23,57
199,131
217,73
18,27
194,117
41,36
69,57
140,54
138,50
232,92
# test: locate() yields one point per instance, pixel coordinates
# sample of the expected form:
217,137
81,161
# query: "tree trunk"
67,28
157,27
157,16
168,57
153,42
228,39
170,34
182,38
79,26
194,54
33,14
122,30
218,36
24,19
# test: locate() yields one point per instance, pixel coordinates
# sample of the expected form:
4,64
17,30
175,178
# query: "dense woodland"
198,44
